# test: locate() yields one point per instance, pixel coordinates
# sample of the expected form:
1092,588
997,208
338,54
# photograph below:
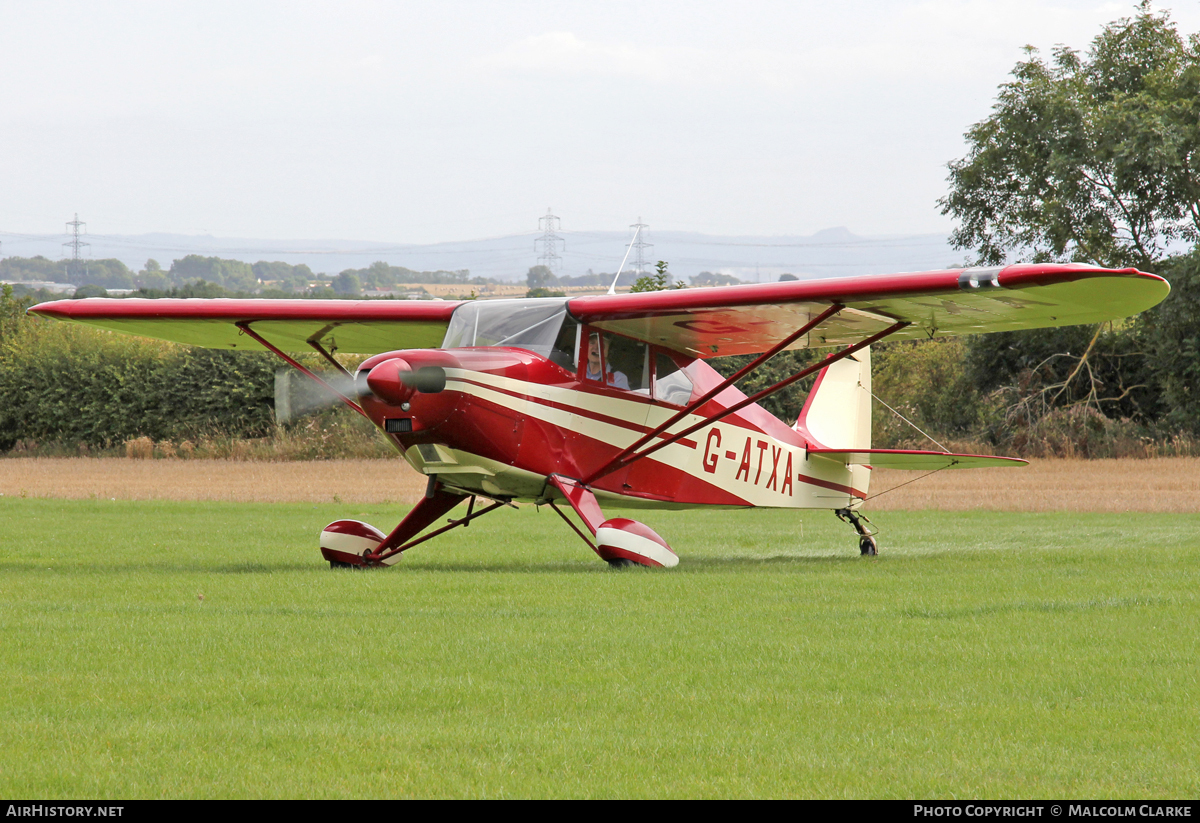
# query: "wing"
357,326
715,322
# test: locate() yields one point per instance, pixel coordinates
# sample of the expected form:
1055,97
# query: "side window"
628,357
671,385
563,351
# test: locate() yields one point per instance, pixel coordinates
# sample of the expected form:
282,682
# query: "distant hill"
831,252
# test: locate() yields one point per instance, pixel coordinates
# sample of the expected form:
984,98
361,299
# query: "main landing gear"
620,542
346,543
867,546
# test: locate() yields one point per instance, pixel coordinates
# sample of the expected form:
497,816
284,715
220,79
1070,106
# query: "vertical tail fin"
837,413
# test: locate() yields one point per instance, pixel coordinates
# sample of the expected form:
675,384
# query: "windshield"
538,325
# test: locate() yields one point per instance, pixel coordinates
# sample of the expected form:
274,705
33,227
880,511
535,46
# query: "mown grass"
983,654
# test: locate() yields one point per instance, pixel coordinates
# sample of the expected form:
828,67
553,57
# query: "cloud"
565,53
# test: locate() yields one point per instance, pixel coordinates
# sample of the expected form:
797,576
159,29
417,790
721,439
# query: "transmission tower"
639,246
74,268
549,242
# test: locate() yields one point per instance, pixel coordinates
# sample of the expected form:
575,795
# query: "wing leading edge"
356,326
722,321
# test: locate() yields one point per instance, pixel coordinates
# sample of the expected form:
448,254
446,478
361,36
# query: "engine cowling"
387,381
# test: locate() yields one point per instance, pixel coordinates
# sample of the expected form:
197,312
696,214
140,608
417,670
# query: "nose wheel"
867,546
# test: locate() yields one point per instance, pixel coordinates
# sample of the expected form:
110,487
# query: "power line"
74,268
549,242
639,246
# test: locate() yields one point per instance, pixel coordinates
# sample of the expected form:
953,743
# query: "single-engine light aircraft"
578,403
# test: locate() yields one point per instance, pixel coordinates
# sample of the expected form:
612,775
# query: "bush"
1171,331
926,382
68,383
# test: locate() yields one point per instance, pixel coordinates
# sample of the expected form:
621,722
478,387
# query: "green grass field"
982,654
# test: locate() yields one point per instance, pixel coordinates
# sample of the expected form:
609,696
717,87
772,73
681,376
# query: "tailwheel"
867,546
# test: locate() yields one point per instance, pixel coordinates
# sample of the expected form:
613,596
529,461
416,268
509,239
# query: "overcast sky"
422,122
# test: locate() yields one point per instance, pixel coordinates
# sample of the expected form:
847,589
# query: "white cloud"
565,53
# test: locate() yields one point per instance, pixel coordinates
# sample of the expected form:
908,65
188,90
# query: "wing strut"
315,342
245,327
616,462
422,515
622,462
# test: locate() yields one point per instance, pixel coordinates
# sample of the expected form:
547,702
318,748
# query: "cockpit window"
539,325
671,383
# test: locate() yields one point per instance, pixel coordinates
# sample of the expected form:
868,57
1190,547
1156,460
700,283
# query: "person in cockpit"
616,379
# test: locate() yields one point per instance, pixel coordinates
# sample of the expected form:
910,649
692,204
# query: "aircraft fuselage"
508,418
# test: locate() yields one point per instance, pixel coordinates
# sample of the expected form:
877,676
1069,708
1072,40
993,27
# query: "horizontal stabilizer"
915,460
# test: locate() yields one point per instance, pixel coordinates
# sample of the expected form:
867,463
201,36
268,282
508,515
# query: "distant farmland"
1155,485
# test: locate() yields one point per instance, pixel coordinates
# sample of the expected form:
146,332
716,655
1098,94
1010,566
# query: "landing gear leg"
867,546
619,541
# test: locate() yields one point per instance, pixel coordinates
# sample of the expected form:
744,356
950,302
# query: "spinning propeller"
393,381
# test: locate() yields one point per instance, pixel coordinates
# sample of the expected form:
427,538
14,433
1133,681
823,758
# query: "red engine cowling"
387,382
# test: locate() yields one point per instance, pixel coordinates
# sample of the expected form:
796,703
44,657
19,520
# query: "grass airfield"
202,649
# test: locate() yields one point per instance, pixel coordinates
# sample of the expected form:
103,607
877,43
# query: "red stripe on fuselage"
580,410
802,478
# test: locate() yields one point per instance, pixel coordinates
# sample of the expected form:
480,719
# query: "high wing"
355,326
716,322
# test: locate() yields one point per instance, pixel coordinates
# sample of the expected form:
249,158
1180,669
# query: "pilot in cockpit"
617,379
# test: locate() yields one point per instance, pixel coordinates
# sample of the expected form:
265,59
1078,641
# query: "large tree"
1092,158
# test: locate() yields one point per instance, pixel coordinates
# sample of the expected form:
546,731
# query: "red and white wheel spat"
623,539
347,540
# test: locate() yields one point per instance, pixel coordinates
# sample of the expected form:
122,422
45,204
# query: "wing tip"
53,308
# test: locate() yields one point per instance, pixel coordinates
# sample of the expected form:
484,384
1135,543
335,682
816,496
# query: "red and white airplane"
608,400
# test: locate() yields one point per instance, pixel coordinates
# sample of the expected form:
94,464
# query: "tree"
1093,159
232,274
540,277
1172,332
661,279
347,283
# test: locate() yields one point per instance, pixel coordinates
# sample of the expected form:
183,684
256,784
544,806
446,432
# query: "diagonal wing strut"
616,462
245,327
630,455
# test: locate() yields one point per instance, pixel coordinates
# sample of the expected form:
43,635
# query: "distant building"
48,285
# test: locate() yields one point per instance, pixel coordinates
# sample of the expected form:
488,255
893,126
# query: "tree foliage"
661,279
107,273
1171,333
1092,158
540,277
232,274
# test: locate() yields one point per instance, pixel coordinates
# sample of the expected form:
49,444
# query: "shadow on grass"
686,565
426,566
